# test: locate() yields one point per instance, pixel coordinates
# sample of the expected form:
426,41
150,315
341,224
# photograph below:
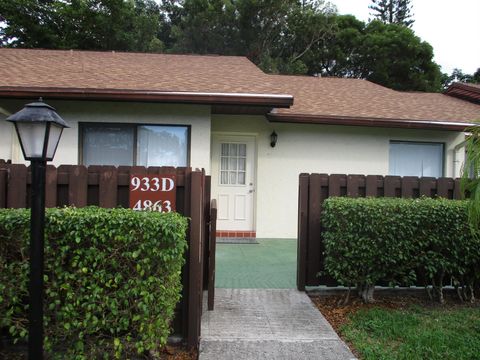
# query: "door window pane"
241,178
224,149
242,149
108,145
416,159
233,159
162,145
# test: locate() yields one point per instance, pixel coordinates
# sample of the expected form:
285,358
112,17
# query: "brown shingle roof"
86,72
469,92
356,98
133,71
161,77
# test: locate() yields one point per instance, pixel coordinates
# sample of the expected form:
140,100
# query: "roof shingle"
313,96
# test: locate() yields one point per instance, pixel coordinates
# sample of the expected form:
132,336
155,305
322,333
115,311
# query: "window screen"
416,159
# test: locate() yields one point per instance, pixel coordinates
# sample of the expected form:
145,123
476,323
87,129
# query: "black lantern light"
39,129
273,139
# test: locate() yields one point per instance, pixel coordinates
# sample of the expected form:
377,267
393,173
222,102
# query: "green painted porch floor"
270,264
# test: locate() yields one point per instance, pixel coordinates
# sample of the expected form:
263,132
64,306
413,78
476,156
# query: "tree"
338,54
274,34
81,24
206,27
458,75
393,11
393,56
476,76
388,54
280,36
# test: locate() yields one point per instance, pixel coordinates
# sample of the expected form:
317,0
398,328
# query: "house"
219,113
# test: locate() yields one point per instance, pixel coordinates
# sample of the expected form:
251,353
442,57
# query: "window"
144,145
416,159
232,164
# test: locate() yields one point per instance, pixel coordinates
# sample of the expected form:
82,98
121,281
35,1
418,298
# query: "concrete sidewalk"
267,324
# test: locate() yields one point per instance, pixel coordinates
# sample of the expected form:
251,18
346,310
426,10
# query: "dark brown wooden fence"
315,188
210,282
108,186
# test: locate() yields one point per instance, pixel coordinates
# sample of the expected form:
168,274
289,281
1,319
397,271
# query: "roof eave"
243,99
370,122
464,92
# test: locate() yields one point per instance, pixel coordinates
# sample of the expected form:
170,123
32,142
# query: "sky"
451,27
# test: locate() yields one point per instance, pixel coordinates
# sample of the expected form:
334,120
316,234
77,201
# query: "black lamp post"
39,129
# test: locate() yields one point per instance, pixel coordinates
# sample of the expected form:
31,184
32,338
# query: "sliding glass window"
144,145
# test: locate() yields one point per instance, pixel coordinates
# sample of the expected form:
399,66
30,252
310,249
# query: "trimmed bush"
112,279
368,240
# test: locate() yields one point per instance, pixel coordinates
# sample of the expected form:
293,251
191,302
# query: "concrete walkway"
249,324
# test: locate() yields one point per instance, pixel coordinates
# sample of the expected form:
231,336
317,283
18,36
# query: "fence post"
443,187
457,190
426,186
107,187
408,184
17,186
314,257
51,187
77,186
302,242
206,230
3,188
195,260
353,185
211,255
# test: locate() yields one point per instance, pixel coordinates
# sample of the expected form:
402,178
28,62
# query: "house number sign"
153,192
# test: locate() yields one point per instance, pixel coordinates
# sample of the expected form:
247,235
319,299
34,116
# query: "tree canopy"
458,75
131,25
393,11
281,36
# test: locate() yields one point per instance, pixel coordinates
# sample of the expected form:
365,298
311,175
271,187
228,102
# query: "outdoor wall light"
273,139
39,128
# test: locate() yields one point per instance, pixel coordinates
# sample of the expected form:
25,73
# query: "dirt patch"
178,353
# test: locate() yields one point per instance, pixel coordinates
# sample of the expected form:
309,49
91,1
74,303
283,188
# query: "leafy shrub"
372,239
112,279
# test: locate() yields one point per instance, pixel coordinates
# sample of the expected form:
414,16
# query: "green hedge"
112,279
372,239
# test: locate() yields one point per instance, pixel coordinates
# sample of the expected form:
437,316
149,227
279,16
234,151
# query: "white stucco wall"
197,116
300,148
319,149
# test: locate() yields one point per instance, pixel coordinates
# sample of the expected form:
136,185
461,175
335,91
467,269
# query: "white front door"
233,181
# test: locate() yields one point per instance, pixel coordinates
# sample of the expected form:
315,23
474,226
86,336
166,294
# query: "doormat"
236,240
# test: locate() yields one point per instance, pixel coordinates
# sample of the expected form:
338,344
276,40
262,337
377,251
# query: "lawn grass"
415,332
